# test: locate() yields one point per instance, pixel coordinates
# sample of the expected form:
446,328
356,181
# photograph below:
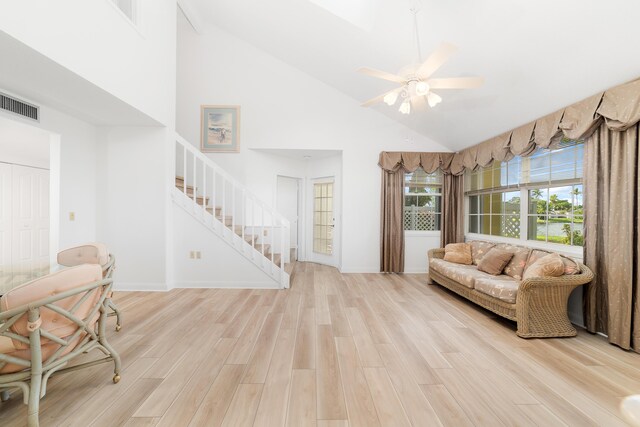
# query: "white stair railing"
232,211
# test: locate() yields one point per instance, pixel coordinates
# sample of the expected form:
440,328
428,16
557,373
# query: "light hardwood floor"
335,350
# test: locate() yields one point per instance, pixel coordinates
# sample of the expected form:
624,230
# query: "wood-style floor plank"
334,350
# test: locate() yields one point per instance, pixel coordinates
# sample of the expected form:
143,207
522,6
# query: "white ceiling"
536,56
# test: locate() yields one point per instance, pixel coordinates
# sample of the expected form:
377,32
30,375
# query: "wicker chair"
94,253
47,323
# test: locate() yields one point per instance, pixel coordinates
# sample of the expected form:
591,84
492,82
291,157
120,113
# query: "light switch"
72,216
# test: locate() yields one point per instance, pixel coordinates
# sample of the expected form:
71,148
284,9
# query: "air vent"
19,107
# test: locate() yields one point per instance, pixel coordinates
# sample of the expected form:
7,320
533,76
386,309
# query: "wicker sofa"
538,305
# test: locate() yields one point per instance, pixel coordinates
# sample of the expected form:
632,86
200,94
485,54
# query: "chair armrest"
437,253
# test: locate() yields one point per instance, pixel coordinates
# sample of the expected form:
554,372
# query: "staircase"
232,212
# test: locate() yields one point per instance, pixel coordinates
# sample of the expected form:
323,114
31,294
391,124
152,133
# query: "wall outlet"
195,255
72,216
198,255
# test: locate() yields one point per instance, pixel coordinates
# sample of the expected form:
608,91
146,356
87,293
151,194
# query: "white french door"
324,211
24,217
6,228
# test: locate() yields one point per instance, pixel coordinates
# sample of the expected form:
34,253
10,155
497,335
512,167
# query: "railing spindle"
195,165
184,170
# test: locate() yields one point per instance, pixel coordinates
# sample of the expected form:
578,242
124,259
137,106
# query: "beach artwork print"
220,129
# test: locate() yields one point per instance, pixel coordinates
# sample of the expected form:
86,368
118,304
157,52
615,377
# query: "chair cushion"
495,261
515,267
460,253
53,284
91,253
479,249
502,287
548,266
463,274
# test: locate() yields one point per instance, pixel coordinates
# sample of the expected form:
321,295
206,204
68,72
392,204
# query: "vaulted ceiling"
536,56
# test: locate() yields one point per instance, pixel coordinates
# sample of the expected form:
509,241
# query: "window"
129,8
422,200
323,218
530,198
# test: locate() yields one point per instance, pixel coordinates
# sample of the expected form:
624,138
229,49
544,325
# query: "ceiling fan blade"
456,83
436,59
382,75
379,98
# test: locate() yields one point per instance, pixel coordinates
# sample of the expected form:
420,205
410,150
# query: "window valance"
618,107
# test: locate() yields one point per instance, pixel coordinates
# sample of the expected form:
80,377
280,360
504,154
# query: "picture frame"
220,128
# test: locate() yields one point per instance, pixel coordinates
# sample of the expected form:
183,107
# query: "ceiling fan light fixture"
422,88
433,99
391,98
405,107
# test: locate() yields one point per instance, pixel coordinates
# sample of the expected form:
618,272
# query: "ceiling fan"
416,83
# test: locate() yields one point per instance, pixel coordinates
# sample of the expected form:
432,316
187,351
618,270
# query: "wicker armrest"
541,304
570,280
437,253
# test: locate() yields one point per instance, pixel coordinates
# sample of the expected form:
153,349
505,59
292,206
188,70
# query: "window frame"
440,184
524,189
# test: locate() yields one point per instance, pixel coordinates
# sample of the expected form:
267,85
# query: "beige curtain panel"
391,227
618,108
612,243
452,215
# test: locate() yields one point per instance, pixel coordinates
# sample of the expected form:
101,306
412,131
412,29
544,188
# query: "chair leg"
117,312
103,340
33,419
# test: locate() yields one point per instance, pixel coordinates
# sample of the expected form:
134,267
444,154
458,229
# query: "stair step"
228,220
258,248
210,210
202,201
189,190
249,238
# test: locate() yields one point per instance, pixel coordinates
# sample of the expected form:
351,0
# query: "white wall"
23,145
281,107
93,39
77,157
416,245
220,266
132,208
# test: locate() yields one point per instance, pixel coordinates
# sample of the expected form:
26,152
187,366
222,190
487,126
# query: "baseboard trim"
140,286
225,285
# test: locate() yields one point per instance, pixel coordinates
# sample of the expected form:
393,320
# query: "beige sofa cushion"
502,287
515,267
536,254
479,249
463,274
570,266
460,253
495,261
548,266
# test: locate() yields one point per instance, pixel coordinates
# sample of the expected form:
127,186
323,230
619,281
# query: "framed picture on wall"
220,129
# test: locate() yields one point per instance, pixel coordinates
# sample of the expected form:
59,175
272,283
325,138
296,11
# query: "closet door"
5,220
30,200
